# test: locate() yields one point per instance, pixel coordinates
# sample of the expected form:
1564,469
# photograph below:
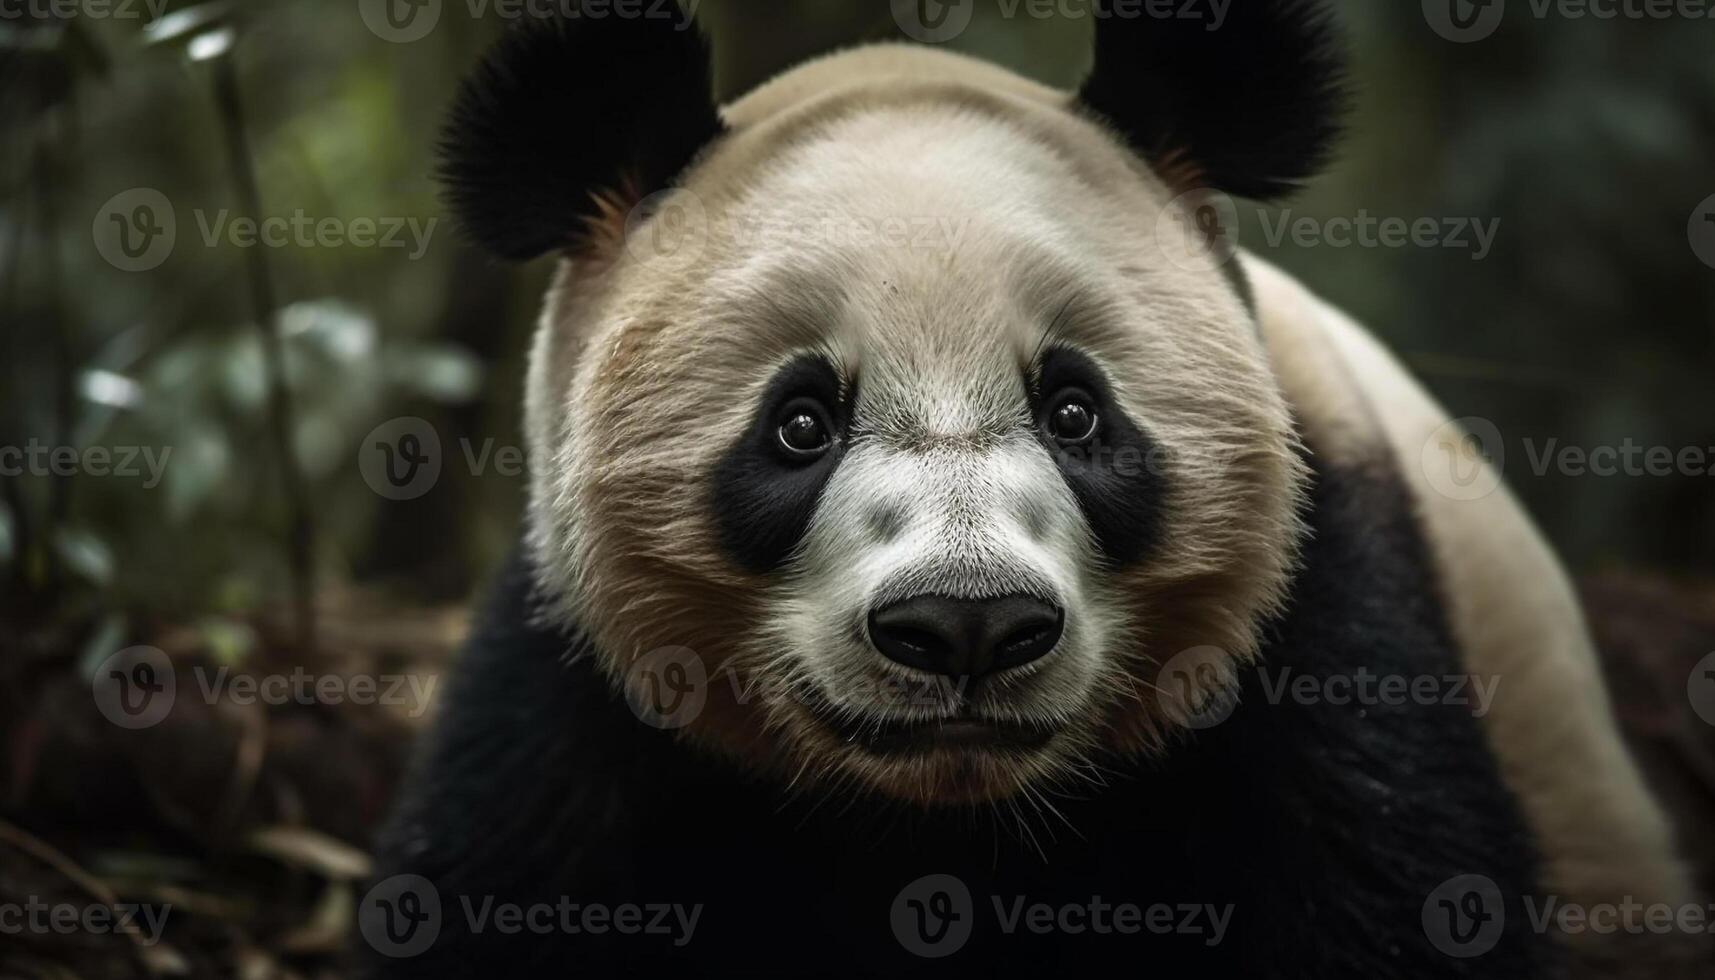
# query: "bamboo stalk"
301,531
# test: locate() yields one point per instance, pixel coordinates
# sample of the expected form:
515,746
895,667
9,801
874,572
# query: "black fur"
763,503
1256,104
1117,478
1327,826
567,107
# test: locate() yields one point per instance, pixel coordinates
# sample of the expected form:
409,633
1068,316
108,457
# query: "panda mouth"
959,732
966,730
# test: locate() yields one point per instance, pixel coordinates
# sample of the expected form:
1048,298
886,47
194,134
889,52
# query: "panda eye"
1073,420
804,430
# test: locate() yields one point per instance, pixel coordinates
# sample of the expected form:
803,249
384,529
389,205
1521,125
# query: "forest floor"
246,816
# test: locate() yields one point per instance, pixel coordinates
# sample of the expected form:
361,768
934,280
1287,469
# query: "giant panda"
974,561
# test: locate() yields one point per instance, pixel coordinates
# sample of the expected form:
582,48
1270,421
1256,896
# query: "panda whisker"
1051,334
1047,805
1026,834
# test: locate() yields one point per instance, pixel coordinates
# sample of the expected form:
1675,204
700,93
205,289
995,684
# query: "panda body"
1287,840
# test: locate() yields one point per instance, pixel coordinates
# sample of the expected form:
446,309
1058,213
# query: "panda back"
1507,601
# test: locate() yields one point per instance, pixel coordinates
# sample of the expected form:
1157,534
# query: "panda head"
878,393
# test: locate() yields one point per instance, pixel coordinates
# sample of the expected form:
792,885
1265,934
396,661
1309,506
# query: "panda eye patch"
804,431
1109,462
766,484
1072,420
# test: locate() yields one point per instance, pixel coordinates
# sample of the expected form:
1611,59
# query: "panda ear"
568,121
1250,105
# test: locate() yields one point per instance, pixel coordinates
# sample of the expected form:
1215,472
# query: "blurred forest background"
1591,321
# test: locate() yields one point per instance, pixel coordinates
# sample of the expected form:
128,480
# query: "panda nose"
966,637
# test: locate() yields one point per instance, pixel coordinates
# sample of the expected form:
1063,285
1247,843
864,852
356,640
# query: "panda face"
930,517
942,604
947,512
